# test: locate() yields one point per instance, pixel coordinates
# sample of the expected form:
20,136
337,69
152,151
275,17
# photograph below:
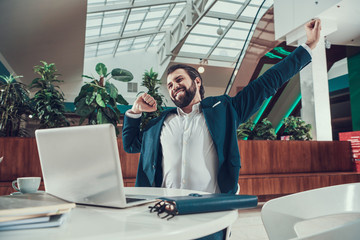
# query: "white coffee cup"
26,184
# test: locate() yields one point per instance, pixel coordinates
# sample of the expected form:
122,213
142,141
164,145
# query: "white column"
315,94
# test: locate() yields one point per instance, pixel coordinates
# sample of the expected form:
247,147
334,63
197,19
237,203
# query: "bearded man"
194,146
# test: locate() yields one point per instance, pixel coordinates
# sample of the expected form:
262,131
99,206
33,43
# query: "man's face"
181,88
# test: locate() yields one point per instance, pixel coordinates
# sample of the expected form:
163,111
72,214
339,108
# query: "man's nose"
176,86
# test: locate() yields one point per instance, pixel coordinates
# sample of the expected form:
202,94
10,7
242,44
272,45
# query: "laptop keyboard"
130,200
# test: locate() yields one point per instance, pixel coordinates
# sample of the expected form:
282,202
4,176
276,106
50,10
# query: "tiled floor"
249,225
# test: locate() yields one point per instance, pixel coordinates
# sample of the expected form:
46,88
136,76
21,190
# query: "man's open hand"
313,29
144,103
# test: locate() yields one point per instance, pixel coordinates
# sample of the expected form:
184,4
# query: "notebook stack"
26,211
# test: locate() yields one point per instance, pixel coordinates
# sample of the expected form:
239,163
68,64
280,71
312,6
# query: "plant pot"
287,137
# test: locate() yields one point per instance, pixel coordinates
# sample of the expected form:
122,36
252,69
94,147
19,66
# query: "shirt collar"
196,108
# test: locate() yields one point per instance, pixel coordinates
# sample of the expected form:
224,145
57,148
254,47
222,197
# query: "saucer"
20,193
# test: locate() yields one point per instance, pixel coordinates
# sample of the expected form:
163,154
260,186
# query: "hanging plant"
97,100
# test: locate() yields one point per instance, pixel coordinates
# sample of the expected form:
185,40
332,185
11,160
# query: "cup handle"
14,185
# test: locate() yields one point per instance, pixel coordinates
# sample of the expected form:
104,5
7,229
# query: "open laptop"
81,164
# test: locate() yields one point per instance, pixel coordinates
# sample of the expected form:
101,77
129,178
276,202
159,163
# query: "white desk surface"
87,222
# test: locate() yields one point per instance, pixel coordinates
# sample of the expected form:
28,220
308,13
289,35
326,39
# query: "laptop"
81,164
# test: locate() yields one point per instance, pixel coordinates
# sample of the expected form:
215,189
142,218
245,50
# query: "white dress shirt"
189,156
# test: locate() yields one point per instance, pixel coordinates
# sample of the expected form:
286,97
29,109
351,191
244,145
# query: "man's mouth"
178,91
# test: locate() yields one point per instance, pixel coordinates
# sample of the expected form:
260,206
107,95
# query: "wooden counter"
269,168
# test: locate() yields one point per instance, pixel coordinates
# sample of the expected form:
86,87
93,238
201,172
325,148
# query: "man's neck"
188,108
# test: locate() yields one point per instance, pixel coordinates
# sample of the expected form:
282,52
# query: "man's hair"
192,72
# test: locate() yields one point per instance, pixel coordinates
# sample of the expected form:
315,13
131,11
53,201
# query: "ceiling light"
201,68
219,31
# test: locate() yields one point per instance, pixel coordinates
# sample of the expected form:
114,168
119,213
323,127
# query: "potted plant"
48,101
14,105
261,131
244,129
151,82
97,100
297,129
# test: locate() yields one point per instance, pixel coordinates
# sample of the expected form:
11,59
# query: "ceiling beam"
124,36
126,6
161,24
172,44
230,17
198,56
121,32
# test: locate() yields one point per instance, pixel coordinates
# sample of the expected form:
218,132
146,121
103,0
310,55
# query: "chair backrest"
281,215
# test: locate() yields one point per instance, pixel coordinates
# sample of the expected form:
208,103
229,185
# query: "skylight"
116,26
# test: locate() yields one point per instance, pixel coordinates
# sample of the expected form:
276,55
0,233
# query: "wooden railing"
269,168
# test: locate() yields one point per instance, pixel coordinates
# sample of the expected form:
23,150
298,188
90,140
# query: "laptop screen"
81,164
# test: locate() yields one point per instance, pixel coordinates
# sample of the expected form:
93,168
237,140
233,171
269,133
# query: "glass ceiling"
117,26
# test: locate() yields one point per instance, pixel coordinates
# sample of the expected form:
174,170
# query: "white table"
87,222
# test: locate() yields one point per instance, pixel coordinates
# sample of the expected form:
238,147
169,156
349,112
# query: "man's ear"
198,81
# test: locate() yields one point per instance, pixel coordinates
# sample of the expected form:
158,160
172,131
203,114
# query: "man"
195,145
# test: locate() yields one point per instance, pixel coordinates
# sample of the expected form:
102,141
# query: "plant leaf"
86,76
99,117
111,89
121,100
82,119
101,69
99,100
121,75
82,109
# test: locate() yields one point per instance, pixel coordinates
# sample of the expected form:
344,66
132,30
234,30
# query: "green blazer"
223,114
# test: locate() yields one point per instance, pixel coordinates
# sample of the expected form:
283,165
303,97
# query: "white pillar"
315,94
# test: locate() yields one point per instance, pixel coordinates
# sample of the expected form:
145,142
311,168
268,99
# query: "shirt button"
153,166
183,181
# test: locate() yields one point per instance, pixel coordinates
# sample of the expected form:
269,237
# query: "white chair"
323,213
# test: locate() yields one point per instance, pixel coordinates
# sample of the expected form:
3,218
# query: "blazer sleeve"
250,99
131,135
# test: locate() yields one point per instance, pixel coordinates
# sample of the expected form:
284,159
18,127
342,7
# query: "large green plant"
97,100
151,82
261,131
48,101
297,129
14,103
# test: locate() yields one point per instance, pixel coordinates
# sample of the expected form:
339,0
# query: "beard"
188,96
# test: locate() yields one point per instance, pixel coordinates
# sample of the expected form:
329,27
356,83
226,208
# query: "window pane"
150,24
226,7
200,40
110,30
93,32
225,52
106,45
194,49
231,44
